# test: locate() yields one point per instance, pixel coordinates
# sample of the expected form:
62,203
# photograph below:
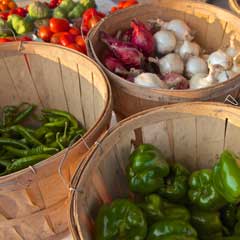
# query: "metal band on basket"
230,99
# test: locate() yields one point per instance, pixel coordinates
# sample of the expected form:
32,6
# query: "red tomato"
59,25
45,33
66,39
2,40
81,43
74,31
74,46
4,15
56,37
24,38
21,12
93,21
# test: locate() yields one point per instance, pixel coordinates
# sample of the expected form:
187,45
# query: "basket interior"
213,25
192,134
53,77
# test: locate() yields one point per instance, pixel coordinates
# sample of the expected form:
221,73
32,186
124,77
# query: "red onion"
142,37
124,51
127,35
114,65
175,81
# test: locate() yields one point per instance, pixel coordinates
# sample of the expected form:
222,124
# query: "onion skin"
150,80
189,49
142,38
114,65
219,57
125,52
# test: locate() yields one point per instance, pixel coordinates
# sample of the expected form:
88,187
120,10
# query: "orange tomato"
6,2
3,7
12,5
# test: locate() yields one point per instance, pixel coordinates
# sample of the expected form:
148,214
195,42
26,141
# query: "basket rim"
84,166
20,46
157,90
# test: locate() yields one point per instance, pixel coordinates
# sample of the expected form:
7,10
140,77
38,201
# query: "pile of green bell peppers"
22,146
172,203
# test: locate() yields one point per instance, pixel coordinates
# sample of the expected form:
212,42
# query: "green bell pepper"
88,4
228,216
155,209
172,230
237,226
147,169
226,177
121,219
202,193
19,24
207,223
175,186
77,11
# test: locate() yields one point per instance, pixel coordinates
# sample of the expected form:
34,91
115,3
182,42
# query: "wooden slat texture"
34,201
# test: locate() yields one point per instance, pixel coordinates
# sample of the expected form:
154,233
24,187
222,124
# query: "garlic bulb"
220,58
202,80
178,46
150,80
195,65
180,28
165,41
170,63
232,50
189,49
225,75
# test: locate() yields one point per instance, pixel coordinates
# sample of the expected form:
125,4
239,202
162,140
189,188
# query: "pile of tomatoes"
60,32
7,5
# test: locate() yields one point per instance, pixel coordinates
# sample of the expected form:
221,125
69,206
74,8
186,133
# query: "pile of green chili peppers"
22,146
173,204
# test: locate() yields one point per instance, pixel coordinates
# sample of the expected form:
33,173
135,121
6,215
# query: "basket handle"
233,4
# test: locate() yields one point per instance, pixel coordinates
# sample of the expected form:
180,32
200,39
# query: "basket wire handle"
65,157
233,4
230,99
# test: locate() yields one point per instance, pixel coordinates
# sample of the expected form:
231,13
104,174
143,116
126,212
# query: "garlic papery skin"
202,80
165,41
178,46
150,80
236,64
189,49
180,28
232,50
170,63
220,58
195,65
225,75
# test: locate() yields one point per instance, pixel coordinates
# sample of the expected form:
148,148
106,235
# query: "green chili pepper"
207,223
60,123
155,209
70,117
226,177
34,151
172,230
24,162
121,219
147,169
40,132
24,133
24,114
175,185
12,142
49,137
202,192
9,113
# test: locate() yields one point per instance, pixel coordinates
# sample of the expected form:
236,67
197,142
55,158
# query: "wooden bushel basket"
214,27
193,134
34,201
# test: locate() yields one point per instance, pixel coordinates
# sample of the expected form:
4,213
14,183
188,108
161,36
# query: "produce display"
63,22
164,55
22,145
172,203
